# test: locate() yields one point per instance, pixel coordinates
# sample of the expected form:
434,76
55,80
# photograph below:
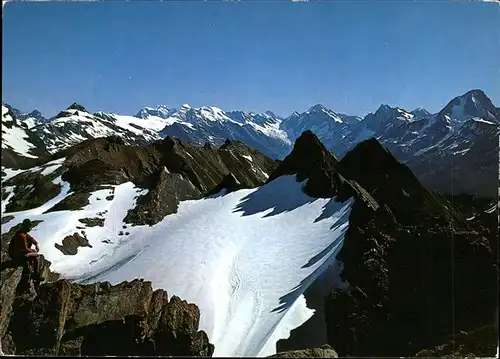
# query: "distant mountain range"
454,150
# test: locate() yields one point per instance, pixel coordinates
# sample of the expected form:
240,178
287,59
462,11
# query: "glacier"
244,258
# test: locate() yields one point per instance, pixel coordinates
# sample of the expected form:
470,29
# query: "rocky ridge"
409,256
171,170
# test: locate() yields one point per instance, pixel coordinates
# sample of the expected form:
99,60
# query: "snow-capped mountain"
330,127
76,124
158,111
212,125
19,144
14,136
32,119
432,146
414,137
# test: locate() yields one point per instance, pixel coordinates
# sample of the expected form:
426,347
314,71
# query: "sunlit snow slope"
14,137
244,258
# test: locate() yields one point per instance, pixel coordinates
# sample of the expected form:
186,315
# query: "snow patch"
9,173
14,138
10,193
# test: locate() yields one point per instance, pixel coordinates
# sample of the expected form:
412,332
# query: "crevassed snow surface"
244,258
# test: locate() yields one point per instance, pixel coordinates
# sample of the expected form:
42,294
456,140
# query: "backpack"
13,245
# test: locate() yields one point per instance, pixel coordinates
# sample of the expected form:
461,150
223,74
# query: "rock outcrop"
418,273
101,319
325,351
71,243
465,344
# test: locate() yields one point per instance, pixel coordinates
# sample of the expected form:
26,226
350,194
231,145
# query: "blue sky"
278,55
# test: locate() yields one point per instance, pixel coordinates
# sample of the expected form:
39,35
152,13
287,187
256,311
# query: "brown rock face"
101,319
163,198
418,273
172,171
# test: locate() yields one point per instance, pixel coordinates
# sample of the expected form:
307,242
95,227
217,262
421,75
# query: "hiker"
20,248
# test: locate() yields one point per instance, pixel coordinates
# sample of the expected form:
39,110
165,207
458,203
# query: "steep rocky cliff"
127,319
416,280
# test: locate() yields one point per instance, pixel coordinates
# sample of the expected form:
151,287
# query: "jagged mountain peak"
386,111
310,160
308,152
371,151
473,103
390,182
77,106
36,114
270,114
420,112
384,108
316,108
161,111
309,143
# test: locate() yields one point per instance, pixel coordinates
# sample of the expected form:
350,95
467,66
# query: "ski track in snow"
244,258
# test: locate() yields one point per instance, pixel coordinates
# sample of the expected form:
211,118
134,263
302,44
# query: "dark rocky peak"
36,114
235,145
368,156
226,144
207,146
12,110
385,117
77,106
393,184
311,160
308,156
384,109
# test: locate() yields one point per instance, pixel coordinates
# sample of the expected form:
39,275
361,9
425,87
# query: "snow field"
245,258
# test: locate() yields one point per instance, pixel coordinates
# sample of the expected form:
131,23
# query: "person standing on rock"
21,252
